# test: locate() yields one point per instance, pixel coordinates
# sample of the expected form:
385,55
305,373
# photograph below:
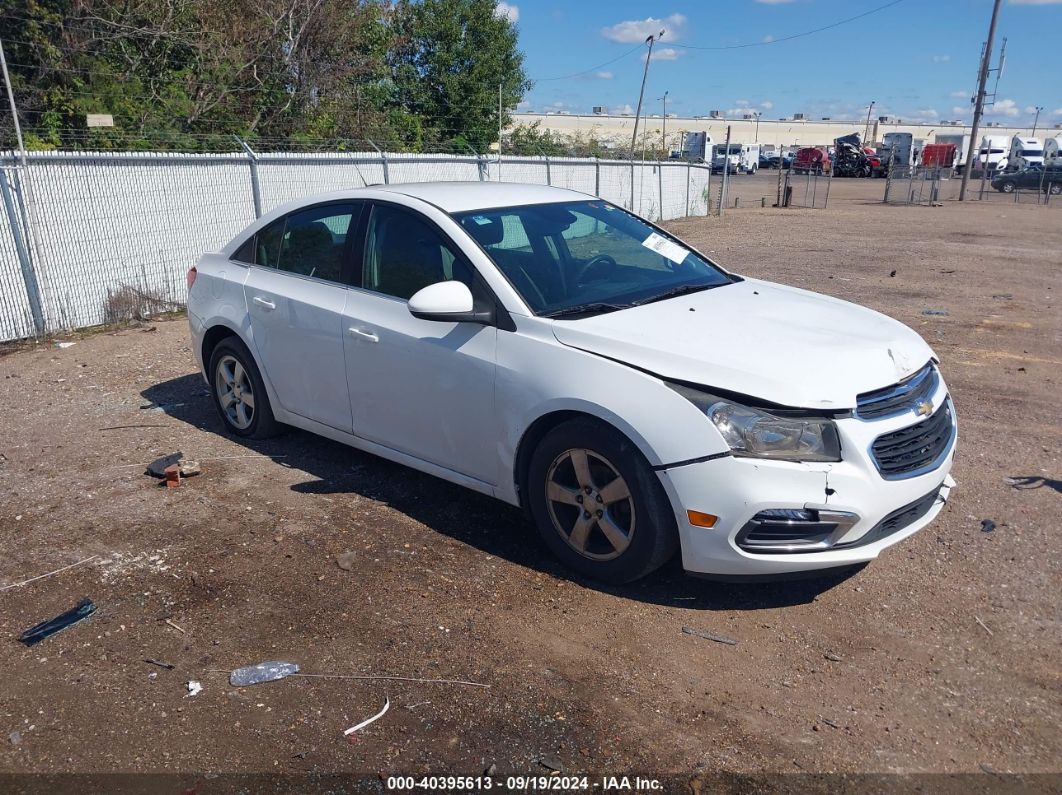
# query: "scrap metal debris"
364,723
74,615
940,312
49,574
700,633
269,671
159,663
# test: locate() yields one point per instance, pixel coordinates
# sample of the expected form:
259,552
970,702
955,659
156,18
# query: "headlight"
756,433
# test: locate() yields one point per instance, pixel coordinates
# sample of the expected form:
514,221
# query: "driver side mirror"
448,302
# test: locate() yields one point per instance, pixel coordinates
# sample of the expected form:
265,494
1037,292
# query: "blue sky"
917,59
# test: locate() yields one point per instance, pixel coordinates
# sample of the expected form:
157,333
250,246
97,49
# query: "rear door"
424,388
296,291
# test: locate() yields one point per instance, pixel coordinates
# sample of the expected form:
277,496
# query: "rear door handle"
366,335
264,303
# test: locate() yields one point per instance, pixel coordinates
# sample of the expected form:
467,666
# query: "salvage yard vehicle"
561,354
811,160
1048,180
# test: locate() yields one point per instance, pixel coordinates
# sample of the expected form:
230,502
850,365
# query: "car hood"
780,344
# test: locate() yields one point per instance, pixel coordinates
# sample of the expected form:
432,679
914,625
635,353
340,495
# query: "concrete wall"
617,130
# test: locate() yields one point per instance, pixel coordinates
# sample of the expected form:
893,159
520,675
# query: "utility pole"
758,114
650,40
499,130
1036,121
663,129
866,129
979,102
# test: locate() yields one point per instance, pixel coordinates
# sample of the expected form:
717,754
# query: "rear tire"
1006,187
598,504
239,393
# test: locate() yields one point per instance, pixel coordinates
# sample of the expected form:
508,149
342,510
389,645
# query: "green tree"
448,59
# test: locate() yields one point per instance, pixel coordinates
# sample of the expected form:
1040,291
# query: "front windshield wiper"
684,289
586,309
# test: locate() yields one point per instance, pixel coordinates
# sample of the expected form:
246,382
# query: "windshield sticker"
481,220
664,247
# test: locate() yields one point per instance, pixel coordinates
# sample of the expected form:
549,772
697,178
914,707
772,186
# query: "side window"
267,244
404,254
314,240
245,253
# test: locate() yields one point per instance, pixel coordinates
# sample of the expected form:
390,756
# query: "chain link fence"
808,189
91,238
927,187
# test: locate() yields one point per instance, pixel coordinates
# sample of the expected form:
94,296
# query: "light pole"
1036,120
758,114
650,40
663,126
866,129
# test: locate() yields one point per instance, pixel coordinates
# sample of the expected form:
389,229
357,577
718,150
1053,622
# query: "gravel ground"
942,656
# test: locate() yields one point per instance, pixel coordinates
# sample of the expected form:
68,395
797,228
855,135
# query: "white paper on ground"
666,248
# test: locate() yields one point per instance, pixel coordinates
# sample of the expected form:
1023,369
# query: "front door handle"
265,303
365,335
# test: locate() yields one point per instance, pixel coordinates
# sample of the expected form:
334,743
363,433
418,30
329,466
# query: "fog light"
778,530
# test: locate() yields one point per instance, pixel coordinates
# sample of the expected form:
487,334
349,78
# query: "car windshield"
580,258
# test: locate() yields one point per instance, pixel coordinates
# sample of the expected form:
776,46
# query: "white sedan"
559,353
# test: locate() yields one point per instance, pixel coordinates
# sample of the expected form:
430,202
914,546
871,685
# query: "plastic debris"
700,633
364,723
940,312
158,467
269,671
65,344
74,615
194,688
987,525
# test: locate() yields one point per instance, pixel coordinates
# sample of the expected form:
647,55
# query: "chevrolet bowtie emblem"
924,408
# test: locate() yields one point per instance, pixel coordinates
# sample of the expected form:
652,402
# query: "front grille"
916,448
897,520
898,398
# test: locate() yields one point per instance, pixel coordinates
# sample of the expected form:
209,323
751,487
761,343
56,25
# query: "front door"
295,298
420,387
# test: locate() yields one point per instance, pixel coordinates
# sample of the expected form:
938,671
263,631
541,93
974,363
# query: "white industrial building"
616,130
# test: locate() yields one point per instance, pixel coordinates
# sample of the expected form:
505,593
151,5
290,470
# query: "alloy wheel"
590,504
235,392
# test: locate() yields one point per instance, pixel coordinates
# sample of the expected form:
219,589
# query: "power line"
780,39
592,68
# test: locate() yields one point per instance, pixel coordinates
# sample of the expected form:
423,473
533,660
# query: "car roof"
456,197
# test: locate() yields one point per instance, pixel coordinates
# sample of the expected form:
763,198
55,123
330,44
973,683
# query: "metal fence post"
597,176
549,175
631,208
256,187
29,276
660,189
689,176
383,162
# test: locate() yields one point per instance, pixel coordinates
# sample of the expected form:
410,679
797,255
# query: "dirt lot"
941,656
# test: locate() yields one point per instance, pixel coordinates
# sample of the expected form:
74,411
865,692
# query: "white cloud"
766,104
1057,112
605,75
741,103
1030,109
959,94
637,30
619,110
959,111
941,58
523,104
768,39
507,10
926,114
667,54
1004,107
1035,2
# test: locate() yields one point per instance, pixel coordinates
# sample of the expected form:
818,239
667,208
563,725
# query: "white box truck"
1053,151
1024,152
750,158
697,147
900,148
962,147
731,158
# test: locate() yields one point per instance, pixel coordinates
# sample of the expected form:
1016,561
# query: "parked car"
811,160
561,354
1035,177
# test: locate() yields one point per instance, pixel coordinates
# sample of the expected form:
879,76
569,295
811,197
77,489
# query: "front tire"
598,504
239,392
1006,187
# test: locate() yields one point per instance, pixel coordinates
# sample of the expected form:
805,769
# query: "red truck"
811,160
938,155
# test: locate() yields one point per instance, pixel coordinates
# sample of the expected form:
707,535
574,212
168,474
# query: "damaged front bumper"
778,518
